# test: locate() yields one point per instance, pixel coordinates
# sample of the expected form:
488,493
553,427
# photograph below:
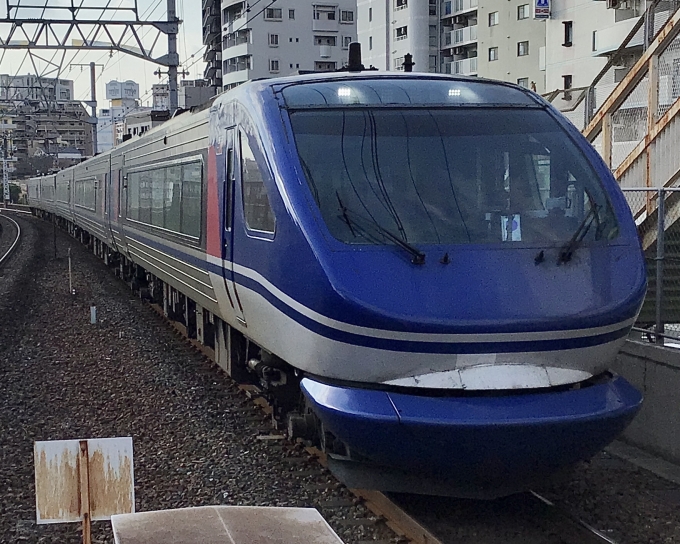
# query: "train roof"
417,89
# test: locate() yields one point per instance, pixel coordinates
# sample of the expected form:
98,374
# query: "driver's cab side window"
258,213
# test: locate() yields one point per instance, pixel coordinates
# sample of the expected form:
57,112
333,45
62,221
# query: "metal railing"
582,104
656,212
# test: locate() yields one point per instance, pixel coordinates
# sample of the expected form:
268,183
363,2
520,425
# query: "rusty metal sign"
83,480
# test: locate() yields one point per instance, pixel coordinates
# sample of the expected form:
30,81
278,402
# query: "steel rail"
4,258
587,530
404,524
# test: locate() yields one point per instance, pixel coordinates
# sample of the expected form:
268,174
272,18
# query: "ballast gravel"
197,439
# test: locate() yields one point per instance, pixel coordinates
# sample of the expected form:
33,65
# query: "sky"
111,66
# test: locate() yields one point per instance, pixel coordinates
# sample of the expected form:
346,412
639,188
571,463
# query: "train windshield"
448,175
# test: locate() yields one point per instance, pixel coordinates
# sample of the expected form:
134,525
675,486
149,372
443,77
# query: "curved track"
6,251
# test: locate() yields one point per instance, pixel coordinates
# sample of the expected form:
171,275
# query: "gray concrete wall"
656,372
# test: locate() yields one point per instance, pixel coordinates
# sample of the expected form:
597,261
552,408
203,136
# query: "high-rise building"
123,97
283,39
580,38
193,92
212,39
500,40
30,88
160,96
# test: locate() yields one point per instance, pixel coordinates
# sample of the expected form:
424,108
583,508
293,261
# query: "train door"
231,158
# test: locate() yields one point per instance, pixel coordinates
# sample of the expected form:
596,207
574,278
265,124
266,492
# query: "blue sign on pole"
541,9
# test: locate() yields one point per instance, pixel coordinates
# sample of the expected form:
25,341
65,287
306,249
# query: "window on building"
523,82
370,14
433,63
493,18
273,65
256,208
370,43
320,66
567,82
273,14
273,40
433,7
400,4
522,49
523,11
346,16
434,37
324,13
568,33
493,53
346,40
447,7
325,40
401,33
291,14
594,40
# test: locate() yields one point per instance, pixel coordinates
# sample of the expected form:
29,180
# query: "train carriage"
443,267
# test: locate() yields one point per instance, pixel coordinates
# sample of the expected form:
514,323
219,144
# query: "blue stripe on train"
409,346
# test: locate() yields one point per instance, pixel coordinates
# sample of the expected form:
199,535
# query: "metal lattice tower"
93,25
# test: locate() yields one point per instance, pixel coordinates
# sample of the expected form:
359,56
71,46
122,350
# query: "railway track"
527,518
10,234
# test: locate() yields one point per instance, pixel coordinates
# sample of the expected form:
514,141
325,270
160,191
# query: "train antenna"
354,64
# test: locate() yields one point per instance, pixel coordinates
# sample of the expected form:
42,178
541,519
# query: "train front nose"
472,445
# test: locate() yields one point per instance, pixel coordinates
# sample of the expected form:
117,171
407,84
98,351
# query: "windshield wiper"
568,249
418,257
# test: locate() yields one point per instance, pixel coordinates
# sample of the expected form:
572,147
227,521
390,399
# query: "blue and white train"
443,266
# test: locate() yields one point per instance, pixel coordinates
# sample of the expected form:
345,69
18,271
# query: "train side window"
106,192
145,197
133,196
157,196
257,210
173,198
192,174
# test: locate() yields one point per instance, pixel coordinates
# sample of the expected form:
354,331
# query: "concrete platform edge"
645,460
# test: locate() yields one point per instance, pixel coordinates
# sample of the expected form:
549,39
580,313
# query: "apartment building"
284,38
511,43
501,39
580,37
31,88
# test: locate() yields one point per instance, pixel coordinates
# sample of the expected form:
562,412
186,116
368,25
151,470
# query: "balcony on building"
325,18
451,8
464,67
463,36
211,30
608,39
234,18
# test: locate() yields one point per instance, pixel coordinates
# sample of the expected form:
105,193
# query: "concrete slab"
645,460
224,525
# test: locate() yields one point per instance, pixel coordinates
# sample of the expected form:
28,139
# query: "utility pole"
93,101
173,58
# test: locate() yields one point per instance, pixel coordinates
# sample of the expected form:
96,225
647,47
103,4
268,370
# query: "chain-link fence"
657,216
